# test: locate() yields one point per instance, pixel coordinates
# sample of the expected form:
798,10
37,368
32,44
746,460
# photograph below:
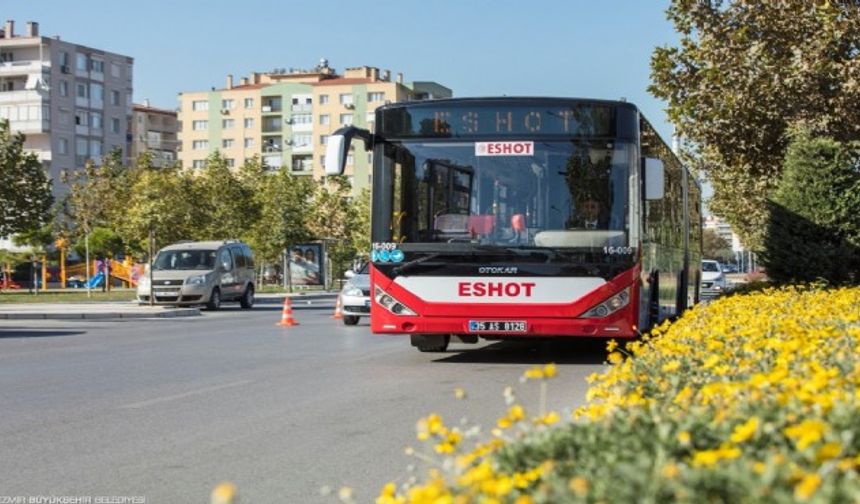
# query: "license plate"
497,326
167,293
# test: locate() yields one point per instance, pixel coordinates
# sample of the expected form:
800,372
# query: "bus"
509,217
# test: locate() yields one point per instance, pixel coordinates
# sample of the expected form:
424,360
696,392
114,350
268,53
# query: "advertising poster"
306,264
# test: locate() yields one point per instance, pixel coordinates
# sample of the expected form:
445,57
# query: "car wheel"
350,319
247,301
430,342
214,300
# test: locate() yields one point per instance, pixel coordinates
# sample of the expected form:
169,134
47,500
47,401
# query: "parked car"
355,295
713,278
206,272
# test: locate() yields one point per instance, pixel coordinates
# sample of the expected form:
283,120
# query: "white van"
207,272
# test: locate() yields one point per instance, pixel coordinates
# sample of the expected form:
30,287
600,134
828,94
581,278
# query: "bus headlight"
391,304
610,306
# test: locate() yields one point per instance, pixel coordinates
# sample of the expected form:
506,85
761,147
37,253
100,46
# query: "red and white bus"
524,218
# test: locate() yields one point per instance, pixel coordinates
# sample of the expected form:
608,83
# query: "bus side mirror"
654,175
337,148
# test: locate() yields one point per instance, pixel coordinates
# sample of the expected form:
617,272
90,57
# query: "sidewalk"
128,309
97,310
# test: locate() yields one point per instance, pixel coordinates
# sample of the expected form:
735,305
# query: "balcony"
302,107
22,97
303,164
11,68
272,106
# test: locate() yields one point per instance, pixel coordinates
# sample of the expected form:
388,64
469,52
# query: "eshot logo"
393,256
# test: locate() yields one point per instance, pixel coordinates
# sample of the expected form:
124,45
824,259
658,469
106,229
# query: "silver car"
208,272
356,296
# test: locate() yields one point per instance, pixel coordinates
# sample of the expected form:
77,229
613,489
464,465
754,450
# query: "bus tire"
430,342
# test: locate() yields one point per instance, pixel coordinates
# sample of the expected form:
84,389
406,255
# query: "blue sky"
595,49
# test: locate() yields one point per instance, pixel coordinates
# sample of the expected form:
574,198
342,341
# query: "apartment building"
72,102
285,116
154,130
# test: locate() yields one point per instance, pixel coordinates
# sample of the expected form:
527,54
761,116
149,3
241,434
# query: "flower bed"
753,398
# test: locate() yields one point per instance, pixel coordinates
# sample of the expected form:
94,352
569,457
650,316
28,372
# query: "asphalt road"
168,408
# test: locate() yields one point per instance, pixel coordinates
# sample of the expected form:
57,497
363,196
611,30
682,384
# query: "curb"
185,312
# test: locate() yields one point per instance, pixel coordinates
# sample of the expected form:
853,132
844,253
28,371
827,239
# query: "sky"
574,48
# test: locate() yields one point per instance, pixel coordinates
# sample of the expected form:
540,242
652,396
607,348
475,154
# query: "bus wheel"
430,342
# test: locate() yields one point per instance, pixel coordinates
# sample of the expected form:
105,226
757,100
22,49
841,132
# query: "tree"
715,246
25,191
284,204
97,194
225,205
103,242
361,230
814,227
333,218
742,75
161,200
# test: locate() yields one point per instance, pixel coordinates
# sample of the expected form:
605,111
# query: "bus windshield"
552,194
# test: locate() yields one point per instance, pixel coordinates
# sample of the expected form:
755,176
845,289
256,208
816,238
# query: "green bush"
813,231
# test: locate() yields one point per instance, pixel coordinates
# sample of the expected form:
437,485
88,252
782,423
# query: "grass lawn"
65,296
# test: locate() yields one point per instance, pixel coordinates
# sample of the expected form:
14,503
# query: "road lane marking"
157,400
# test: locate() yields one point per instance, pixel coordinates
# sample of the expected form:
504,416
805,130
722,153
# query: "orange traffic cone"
338,309
287,319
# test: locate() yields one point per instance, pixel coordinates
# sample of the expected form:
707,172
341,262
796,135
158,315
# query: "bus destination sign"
487,119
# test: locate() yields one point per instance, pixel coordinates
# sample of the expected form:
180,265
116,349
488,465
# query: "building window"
323,99
199,105
323,139
97,92
301,140
249,123
227,104
81,62
249,142
64,60
200,144
80,118
346,99
114,98
227,123
375,97
96,120
82,90
350,160
346,119
114,125
200,125
302,119
249,103
97,66
325,119
198,163
64,88
95,148
230,162
322,161
115,70
227,143
63,146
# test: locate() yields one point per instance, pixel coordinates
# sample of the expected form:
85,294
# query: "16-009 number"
618,250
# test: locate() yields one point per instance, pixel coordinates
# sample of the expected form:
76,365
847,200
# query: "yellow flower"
807,486
459,393
828,451
745,431
611,345
549,370
670,471
684,437
614,358
578,485
524,499
671,366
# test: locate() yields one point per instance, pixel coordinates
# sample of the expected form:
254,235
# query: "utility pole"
151,252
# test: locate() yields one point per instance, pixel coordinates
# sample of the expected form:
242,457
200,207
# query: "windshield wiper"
409,264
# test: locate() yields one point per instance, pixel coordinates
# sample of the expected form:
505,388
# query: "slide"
96,281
